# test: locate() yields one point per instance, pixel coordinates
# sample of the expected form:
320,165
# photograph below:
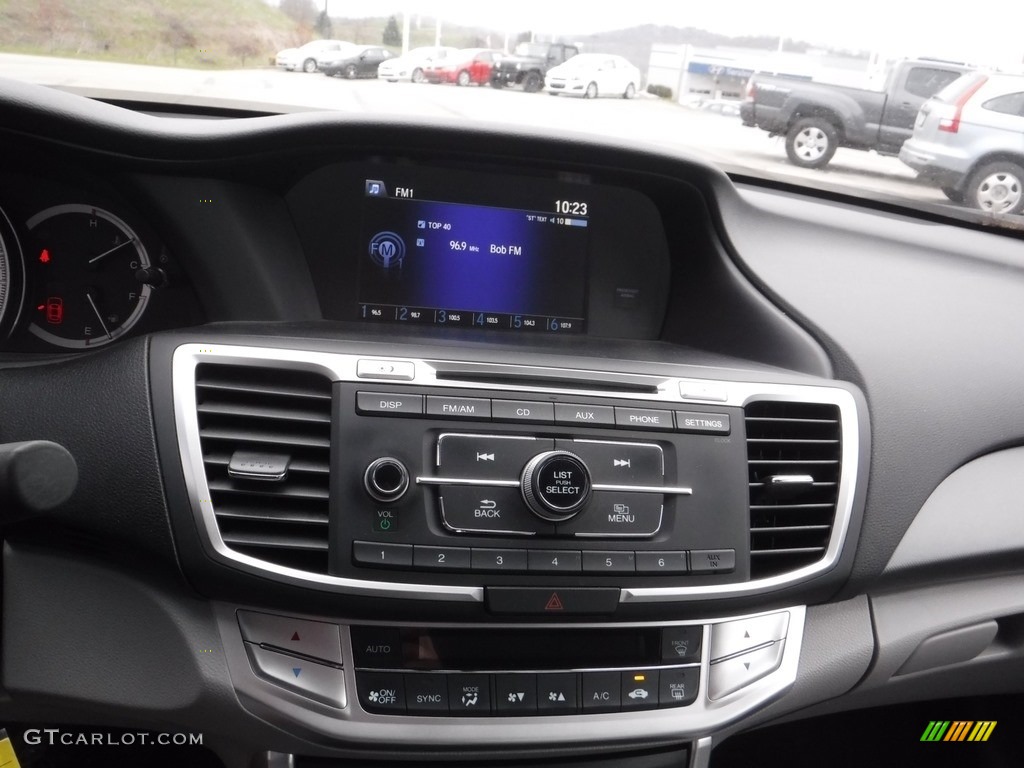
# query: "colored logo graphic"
958,730
387,250
7,757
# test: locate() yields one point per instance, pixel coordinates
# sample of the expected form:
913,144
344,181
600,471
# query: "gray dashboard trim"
344,367
944,533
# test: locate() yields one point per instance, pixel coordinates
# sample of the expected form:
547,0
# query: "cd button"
458,407
486,457
472,509
522,410
611,513
567,413
614,463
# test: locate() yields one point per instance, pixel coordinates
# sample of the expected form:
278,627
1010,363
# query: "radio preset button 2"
556,485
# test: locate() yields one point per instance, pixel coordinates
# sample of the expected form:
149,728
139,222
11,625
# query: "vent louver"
794,455
268,411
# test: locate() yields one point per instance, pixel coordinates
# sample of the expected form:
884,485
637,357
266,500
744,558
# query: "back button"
468,509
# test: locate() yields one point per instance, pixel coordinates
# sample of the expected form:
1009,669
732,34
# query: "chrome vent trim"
794,462
276,411
343,367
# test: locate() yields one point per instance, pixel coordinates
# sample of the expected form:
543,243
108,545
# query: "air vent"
794,453
246,413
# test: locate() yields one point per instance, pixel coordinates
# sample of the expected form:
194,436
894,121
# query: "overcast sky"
987,31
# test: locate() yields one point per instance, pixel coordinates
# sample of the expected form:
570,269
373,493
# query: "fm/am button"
458,407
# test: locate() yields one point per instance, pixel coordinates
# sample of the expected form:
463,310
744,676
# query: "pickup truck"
529,63
817,118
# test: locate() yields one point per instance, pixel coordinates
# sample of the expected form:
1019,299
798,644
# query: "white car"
308,57
591,75
410,66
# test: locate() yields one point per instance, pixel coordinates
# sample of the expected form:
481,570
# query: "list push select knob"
556,485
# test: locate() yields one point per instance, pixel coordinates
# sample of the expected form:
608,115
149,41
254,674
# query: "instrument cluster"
80,268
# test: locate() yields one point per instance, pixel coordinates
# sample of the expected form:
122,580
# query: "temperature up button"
556,485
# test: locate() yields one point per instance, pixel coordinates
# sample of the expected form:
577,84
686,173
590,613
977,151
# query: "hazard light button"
556,601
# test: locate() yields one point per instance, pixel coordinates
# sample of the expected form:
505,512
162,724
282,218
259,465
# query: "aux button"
556,485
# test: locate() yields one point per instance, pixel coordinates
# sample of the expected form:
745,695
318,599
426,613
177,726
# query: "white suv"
308,57
969,140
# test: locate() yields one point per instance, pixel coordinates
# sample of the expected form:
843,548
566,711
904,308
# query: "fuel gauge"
89,276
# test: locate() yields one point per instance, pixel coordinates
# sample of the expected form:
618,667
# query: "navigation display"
465,265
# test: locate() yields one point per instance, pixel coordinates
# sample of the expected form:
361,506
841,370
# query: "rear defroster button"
556,485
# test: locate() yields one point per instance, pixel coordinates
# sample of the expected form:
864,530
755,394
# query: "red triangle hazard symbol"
295,637
554,603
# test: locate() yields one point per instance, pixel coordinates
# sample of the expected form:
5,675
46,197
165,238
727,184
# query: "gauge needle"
94,259
95,309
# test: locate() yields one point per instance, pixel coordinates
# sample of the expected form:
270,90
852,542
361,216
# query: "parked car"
818,118
720,107
410,66
969,141
465,67
594,74
529,63
357,61
308,57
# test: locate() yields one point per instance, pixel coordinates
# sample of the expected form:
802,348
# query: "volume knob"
556,485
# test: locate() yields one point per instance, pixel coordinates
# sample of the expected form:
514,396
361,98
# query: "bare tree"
302,11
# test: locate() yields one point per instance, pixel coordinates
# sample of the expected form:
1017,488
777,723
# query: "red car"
471,65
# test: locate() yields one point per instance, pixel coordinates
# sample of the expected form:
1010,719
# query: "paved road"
720,140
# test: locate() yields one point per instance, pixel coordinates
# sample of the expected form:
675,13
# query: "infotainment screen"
456,263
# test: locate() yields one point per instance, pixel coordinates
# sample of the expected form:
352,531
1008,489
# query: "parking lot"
721,140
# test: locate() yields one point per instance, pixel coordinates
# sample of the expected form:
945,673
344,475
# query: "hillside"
193,33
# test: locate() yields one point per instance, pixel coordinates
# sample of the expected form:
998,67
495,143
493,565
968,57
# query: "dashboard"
413,442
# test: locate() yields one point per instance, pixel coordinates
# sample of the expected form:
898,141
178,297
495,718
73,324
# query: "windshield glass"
759,90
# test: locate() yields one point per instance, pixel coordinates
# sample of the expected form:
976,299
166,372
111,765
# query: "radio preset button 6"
473,509
556,485
617,513
487,457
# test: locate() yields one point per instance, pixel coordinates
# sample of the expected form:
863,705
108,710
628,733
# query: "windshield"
759,90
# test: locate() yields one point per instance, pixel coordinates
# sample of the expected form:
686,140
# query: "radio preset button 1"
458,407
523,410
382,555
487,457
473,509
389,402
643,418
556,485
703,423
596,415
617,513
614,463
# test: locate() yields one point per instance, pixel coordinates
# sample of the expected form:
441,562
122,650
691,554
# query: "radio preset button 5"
472,509
486,457
556,485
